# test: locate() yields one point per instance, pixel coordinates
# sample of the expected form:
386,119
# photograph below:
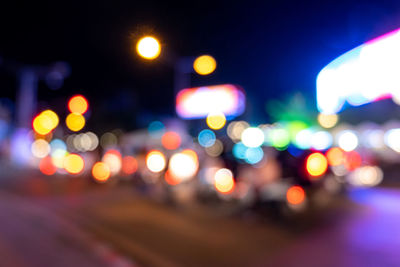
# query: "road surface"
43,225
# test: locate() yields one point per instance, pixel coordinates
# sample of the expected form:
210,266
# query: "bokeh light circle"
101,172
235,129
254,155
335,156
327,120
155,161
239,150
40,148
223,181
295,195
47,167
112,158
216,120
183,166
171,140
347,140
204,65
206,138
252,137
279,138
45,122
78,104
75,122
73,164
129,165
148,47
216,149
316,164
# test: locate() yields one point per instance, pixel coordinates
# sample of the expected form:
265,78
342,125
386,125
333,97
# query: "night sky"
271,48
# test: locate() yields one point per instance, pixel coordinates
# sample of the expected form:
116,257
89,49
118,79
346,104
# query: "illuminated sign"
367,73
194,103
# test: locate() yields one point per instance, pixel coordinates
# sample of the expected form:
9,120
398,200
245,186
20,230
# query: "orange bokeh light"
335,156
101,172
171,140
223,181
317,164
78,104
295,195
47,167
171,179
129,165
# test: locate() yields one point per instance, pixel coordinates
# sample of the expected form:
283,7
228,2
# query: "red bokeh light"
295,195
129,165
47,167
171,140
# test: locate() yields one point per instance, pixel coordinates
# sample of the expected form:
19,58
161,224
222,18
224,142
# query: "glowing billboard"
367,73
198,102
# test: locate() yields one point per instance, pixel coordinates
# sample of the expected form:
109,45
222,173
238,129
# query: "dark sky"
271,48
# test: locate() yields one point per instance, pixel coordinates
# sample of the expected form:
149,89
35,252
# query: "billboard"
365,74
198,102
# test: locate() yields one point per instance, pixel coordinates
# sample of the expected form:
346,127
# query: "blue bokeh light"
239,150
206,138
156,129
254,155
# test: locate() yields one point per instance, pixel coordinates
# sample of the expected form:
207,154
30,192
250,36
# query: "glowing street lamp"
204,65
148,47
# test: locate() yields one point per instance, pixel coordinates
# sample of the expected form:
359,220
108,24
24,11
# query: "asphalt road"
65,224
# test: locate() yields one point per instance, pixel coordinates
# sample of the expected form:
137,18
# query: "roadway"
64,223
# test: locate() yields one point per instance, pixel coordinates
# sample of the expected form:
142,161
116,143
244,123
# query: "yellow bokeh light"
101,172
45,122
73,163
327,120
317,164
204,65
155,161
75,122
216,120
148,47
78,104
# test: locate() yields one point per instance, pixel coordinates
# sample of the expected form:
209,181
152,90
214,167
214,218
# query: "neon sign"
367,73
198,102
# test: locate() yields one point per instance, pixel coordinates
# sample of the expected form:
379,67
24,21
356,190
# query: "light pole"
148,47
28,77
26,100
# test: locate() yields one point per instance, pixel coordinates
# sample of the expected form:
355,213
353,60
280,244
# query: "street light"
148,47
204,65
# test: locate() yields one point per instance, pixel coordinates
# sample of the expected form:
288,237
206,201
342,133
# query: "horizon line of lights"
252,138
